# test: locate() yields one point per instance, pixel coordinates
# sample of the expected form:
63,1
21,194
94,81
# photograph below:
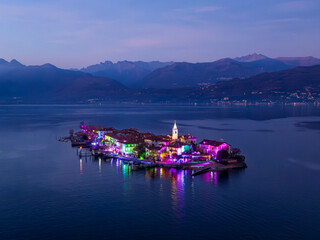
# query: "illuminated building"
166,148
188,139
213,147
175,131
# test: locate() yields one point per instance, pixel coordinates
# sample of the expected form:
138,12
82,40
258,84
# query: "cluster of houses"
166,148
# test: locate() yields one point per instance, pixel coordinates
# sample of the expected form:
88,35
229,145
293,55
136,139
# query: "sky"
78,33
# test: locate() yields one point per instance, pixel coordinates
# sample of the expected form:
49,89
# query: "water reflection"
215,177
222,177
177,177
126,170
177,192
179,180
80,166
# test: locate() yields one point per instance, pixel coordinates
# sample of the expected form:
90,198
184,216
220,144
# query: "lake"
47,192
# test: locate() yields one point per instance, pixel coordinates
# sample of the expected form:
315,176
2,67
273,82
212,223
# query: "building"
153,152
127,147
175,132
212,147
172,147
157,140
188,139
177,148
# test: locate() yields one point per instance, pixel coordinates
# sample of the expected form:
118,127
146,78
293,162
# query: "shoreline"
198,167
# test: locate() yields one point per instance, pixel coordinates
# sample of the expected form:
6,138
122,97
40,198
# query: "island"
145,150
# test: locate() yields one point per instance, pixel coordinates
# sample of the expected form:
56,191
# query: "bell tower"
175,131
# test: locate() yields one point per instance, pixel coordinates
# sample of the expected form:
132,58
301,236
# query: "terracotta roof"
188,136
152,138
132,141
100,128
158,138
212,142
147,135
176,144
130,131
115,136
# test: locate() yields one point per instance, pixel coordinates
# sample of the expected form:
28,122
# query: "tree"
223,154
235,151
140,150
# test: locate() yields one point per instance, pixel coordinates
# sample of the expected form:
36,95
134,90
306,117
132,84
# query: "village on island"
144,150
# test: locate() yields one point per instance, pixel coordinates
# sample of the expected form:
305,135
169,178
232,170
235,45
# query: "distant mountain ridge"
179,75
300,84
48,83
126,72
7,66
297,84
250,58
299,61
204,81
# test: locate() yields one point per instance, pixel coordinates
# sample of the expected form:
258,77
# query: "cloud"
297,6
205,9
33,13
278,23
282,20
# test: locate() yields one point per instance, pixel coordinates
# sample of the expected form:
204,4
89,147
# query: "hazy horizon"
75,34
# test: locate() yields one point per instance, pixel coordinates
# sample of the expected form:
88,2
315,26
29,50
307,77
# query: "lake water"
47,192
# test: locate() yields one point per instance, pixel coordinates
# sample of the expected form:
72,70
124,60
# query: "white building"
175,131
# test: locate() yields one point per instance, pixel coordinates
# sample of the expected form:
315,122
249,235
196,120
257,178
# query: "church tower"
175,131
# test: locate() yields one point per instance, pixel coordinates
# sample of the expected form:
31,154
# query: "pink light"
215,178
203,164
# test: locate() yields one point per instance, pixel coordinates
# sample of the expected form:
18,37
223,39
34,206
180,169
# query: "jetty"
202,170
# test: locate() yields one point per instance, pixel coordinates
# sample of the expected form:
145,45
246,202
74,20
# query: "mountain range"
126,72
250,58
180,75
290,61
300,84
299,61
163,75
49,83
253,77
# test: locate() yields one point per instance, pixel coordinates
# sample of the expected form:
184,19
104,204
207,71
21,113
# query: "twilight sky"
77,33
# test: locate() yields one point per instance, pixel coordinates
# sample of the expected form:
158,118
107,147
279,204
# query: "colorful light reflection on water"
177,179
176,176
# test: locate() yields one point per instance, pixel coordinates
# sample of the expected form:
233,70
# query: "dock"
202,170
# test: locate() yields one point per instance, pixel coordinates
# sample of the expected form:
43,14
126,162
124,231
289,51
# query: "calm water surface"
47,192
